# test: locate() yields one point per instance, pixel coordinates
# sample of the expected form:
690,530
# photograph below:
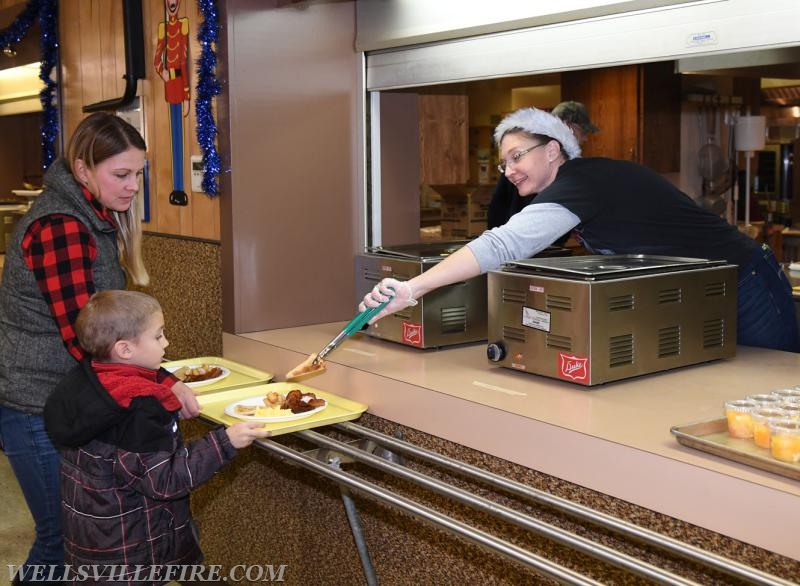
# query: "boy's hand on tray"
245,433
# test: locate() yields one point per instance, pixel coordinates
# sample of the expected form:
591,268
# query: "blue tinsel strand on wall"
208,87
48,25
47,12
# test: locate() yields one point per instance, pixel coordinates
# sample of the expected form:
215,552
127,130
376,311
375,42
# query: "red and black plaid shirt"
60,251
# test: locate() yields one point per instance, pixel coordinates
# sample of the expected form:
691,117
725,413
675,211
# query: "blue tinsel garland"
208,87
47,11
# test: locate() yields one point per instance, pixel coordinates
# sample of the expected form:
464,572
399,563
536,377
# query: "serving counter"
614,438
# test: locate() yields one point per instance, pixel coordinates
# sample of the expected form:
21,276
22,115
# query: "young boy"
125,472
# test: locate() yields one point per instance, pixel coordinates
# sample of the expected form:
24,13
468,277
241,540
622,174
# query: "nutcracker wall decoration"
172,64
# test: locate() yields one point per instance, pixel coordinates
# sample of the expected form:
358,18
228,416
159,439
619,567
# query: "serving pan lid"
596,267
419,251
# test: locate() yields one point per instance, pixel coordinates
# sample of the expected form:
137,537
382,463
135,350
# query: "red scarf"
124,382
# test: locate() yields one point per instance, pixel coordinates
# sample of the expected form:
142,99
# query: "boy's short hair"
113,315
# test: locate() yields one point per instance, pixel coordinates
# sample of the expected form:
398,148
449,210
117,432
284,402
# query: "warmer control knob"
496,351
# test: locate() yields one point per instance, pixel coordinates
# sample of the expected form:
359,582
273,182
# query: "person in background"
126,473
506,200
577,118
81,235
602,200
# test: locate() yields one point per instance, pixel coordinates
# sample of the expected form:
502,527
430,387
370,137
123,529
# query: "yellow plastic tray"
241,375
339,409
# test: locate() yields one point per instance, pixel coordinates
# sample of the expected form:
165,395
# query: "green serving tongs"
353,326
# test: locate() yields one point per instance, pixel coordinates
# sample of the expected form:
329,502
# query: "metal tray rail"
571,540
663,542
332,471
711,436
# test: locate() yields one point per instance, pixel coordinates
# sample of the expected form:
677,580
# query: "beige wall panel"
289,216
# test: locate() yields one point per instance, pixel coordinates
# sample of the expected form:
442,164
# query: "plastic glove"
401,290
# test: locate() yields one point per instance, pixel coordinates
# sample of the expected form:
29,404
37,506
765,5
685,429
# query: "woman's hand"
189,406
399,292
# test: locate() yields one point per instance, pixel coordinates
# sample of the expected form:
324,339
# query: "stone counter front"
612,439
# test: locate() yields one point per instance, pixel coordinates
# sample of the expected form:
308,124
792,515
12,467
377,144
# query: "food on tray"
785,440
248,410
761,419
193,374
277,405
740,419
300,402
305,368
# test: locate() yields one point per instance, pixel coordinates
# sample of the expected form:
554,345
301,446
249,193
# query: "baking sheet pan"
241,375
212,407
712,436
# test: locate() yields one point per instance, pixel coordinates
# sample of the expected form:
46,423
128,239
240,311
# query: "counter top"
613,438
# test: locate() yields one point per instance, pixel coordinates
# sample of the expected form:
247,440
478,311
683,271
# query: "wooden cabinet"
443,139
637,108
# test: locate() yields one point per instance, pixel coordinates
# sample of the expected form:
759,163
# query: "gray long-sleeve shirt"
527,232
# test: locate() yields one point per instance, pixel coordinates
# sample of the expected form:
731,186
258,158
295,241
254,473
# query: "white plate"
259,402
201,383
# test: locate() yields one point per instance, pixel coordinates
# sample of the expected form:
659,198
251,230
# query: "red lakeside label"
573,367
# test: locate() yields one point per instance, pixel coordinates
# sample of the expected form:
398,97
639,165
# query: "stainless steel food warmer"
595,319
450,315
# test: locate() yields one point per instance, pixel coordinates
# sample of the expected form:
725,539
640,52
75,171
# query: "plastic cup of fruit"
765,399
791,395
784,443
761,418
792,410
740,419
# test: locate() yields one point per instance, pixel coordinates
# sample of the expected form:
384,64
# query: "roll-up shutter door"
711,27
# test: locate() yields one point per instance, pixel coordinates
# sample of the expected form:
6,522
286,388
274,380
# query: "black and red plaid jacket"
60,251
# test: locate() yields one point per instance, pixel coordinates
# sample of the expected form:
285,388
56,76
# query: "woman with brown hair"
81,235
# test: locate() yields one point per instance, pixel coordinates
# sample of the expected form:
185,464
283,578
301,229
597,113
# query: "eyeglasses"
514,159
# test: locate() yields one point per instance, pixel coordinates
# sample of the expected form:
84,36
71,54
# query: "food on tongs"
194,374
307,368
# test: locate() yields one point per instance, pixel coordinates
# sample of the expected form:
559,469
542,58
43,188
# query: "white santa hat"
534,121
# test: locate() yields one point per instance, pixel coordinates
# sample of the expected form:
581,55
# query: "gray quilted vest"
33,357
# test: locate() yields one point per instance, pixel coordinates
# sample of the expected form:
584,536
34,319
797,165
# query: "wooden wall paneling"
443,123
109,15
92,56
91,59
660,117
147,92
165,218
611,98
71,94
205,217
